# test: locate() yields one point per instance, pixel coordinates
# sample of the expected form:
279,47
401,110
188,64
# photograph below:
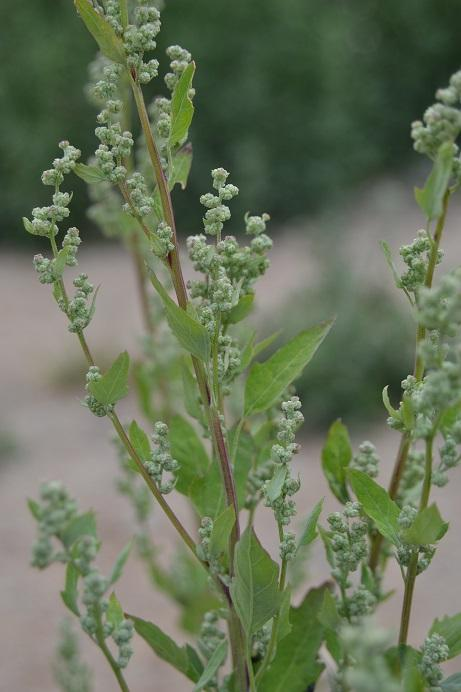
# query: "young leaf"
189,332
70,593
188,449
34,508
120,562
449,627
182,162
275,485
328,614
336,456
191,395
140,441
104,35
254,588
376,504
310,530
113,385
296,666
114,613
390,262
61,259
452,684
241,310
267,381
81,525
207,492
182,109
216,660
90,174
430,197
221,531
428,527
177,656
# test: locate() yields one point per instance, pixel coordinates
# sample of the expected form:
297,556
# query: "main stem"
237,638
418,372
413,566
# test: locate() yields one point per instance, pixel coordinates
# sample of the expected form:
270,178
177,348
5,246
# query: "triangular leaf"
182,109
449,627
187,448
120,562
336,456
81,525
376,504
104,35
70,593
430,197
310,530
113,385
114,612
428,527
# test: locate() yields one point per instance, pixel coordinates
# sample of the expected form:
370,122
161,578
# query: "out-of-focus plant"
228,456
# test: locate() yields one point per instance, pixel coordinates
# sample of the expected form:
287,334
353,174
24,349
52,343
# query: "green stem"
106,651
124,13
410,578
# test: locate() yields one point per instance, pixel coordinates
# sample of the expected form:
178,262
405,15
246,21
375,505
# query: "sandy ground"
57,438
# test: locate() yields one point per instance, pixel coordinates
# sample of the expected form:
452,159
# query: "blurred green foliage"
300,99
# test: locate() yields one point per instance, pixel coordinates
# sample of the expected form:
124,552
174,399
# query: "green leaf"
182,162
328,614
104,35
189,332
191,393
30,228
284,627
60,262
387,403
296,666
428,527
336,456
188,449
182,109
376,504
114,613
222,528
430,197
90,174
140,441
310,530
70,593
34,509
267,381
81,525
177,656
449,627
390,262
113,385
243,458
452,684
265,343
216,660
275,485
254,588
120,562
207,493
241,310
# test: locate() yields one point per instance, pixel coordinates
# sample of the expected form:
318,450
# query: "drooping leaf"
336,456
114,613
182,162
428,527
267,381
104,35
254,588
222,529
81,525
243,457
140,441
241,310
309,533
113,385
189,332
430,197
390,262
187,448
70,593
90,174
177,656
191,394
449,627
216,660
376,504
182,108
207,492
120,562
296,665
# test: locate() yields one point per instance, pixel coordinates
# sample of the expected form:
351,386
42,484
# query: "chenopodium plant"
231,451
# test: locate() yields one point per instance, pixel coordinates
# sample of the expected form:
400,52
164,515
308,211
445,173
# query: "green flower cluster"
161,461
433,652
53,514
405,551
99,410
366,460
139,38
71,674
416,257
210,638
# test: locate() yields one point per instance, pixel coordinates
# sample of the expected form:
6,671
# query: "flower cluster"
416,257
70,672
161,461
366,460
405,551
210,638
281,487
53,515
433,652
80,309
100,410
349,546
139,38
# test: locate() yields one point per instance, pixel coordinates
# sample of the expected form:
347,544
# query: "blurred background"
308,103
